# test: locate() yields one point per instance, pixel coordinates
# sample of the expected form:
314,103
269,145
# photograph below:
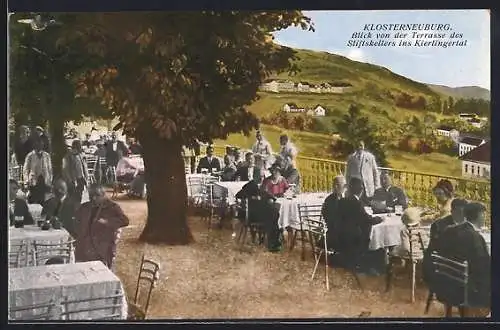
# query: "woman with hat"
443,191
411,219
272,187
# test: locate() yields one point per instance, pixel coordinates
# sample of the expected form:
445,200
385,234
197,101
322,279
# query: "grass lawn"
213,279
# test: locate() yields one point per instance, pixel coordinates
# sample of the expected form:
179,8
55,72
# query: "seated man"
353,226
437,228
248,169
209,162
464,242
61,207
251,194
388,194
411,219
329,210
18,206
229,170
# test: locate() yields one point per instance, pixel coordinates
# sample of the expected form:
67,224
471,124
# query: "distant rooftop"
473,141
480,154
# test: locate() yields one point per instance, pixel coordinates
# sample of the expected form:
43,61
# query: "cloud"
354,54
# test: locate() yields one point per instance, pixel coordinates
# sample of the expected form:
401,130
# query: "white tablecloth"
386,233
289,208
228,190
39,285
30,234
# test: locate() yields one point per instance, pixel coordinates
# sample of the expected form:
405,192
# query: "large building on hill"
477,162
468,143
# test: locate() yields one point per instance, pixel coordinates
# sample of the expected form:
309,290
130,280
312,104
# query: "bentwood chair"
317,230
256,229
45,251
149,274
417,240
18,254
306,212
456,276
99,308
32,312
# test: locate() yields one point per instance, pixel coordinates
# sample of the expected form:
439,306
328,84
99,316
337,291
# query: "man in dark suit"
330,207
209,162
248,171
115,150
354,226
437,228
464,242
17,206
390,194
61,207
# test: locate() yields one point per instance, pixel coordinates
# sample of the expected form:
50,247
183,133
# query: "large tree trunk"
166,191
57,144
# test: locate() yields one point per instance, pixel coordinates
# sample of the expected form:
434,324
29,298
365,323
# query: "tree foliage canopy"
181,75
354,127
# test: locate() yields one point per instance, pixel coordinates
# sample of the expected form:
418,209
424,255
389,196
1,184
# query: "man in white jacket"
362,165
38,173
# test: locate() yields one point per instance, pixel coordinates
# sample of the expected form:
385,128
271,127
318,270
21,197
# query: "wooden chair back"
18,252
149,273
98,308
44,251
44,311
451,271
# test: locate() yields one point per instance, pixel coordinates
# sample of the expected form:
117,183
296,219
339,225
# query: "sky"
453,66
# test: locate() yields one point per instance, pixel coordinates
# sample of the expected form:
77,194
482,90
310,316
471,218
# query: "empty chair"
99,308
149,274
47,251
92,162
306,212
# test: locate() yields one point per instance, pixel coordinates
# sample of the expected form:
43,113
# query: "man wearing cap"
362,165
40,134
37,173
75,171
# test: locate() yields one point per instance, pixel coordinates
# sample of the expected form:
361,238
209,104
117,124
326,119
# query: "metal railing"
318,174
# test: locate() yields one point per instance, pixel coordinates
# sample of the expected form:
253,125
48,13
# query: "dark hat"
274,167
445,185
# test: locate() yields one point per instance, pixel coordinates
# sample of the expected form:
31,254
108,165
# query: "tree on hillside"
354,127
41,90
451,104
174,77
444,109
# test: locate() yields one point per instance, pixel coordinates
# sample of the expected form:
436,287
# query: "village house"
319,111
476,122
477,162
467,116
315,89
293,108
443,130
286,86
270,86
468,143
303,87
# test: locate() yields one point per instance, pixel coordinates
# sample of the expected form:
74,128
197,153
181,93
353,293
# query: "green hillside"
374,90
471,92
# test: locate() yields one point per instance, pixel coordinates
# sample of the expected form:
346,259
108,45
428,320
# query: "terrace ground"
212,279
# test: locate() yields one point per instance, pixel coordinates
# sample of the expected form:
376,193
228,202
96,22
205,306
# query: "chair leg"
293,240
413,281
316,265
388,275
430,298
303,253
462,311
326,273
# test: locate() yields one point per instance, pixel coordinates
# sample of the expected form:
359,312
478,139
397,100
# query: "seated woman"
18,206
411,219
273,187
444,195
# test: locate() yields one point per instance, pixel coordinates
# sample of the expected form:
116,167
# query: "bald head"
96,193
339,184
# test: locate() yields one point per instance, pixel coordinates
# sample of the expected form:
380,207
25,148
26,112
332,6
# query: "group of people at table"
454,230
